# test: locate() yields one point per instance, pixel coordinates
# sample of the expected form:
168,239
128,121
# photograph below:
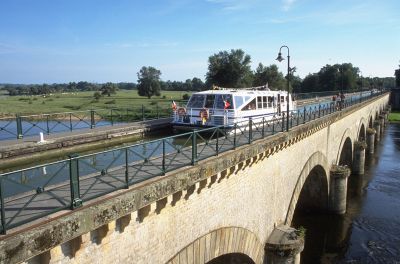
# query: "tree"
270,75
197,84
397,75
229,69
310,83
149,82
108,88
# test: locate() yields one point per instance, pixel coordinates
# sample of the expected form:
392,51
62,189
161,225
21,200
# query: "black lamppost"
280,58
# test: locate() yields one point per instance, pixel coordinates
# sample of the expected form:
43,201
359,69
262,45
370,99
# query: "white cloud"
287,4
234,5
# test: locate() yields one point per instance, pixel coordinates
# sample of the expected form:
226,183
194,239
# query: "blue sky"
98,40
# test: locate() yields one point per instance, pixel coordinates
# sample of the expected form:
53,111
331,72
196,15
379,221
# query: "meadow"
78,101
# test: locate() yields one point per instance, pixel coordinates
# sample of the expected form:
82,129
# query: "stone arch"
317,160
345,151
220,242
370,122
361,135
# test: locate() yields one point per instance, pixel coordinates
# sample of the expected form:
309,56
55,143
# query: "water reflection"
369,232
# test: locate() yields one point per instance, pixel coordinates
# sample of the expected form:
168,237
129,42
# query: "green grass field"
67,102
394,117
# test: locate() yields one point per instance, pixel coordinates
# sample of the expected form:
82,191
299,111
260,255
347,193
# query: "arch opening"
314,193
346,154
232,258
370,122
312,201
361,134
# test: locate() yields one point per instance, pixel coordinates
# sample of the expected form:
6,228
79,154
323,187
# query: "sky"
57,41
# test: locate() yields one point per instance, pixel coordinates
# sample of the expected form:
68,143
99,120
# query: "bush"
185,97
50,99
24,99
110,102
43,102
164,97
97,95
30,101
153,103
34,98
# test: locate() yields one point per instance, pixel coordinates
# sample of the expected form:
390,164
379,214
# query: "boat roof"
241,92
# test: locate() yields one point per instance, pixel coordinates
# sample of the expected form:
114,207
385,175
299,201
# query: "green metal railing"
34,192
28,125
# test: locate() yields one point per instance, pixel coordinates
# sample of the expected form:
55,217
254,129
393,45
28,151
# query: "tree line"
229,69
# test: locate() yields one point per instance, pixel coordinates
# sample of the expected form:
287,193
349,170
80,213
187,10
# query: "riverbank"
394,117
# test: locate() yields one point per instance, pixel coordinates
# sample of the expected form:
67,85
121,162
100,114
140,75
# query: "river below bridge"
370,230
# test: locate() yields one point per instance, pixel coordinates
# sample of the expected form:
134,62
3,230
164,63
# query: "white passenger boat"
227,106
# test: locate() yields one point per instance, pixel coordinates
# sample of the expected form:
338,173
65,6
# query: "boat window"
270,101
196,101
265,102
209,101
282,99
251,105
219,101
246,98
259,102
238,101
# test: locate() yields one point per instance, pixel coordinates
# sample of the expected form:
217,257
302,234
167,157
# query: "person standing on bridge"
334,101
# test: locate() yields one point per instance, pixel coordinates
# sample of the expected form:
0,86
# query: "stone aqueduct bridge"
237,202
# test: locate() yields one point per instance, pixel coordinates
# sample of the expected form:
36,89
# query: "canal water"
369,232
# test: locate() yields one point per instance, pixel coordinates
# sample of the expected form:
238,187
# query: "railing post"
217,143
263,127
3,215
47,125
319,110
126,168
112,119
273,125
163,156
304,115
250,129
19,127
70,121
142,112
194,148
283,122
92,121
234,135
298,117
74,181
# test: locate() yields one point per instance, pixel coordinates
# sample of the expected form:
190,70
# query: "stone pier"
284,245
377,127
359,157
338,190
371,140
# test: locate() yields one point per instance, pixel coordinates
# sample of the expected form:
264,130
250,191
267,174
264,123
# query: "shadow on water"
369,232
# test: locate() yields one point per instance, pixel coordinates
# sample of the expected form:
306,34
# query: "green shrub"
185,97
110,102
24,99
34,98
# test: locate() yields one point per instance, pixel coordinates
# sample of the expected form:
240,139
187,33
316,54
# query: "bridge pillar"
338,189
382,121
359,157
284,245
377,127
371,140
